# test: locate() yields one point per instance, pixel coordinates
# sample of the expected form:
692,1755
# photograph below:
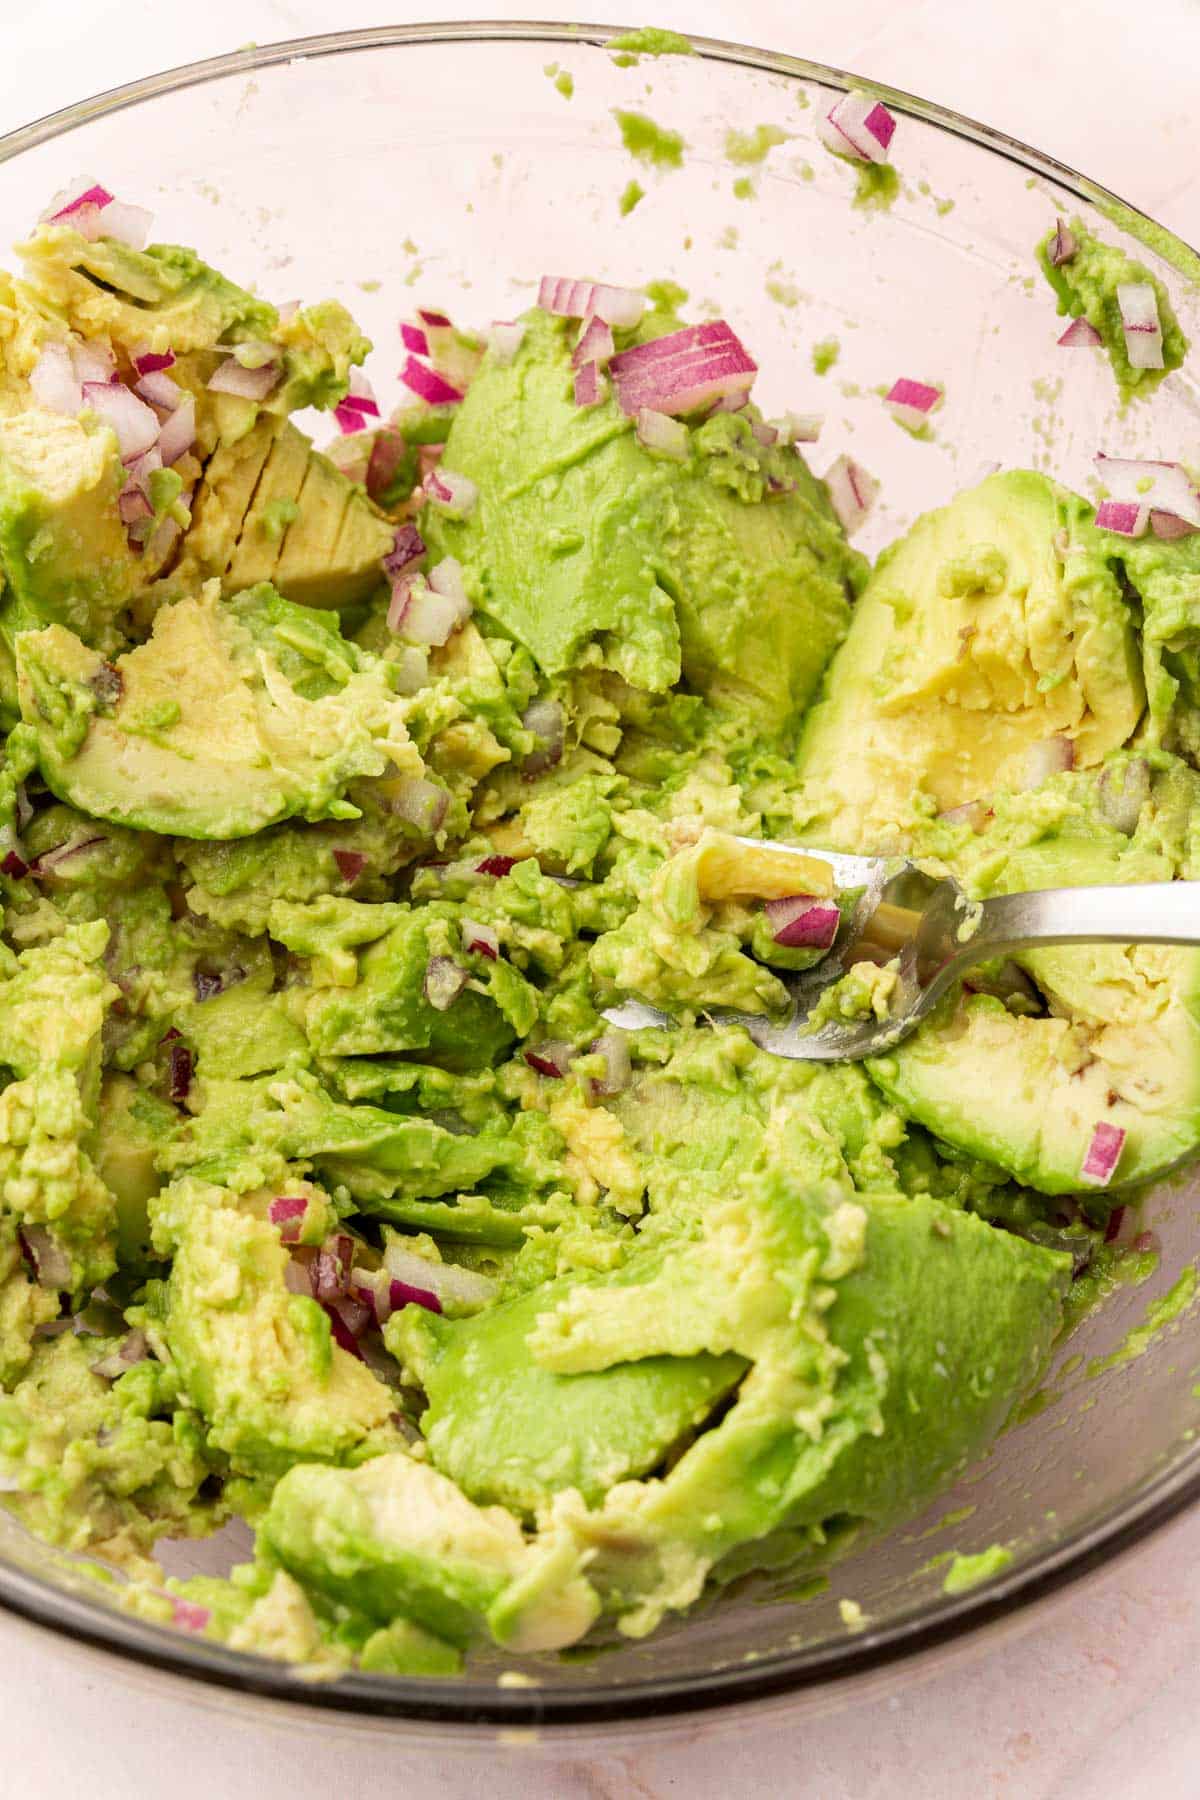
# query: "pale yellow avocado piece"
205,736
282,478
223,497
333,548
996,624
63,548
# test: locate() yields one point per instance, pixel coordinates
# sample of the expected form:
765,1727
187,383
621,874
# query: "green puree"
650,143
1085,286
314,896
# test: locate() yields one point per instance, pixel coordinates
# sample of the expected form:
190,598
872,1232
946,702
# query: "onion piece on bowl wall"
911,402
570,299
1162,486
1064,246
684,371
1138,304
852,492
1080,334
859,127
798,428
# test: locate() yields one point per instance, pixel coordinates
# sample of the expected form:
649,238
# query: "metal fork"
937,933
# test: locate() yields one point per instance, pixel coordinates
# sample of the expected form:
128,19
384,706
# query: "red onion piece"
178,431
852,492
421,803
401,1293
1080,334
1116,1219
550,1058
50,860
1053,756
287,1211
408,546
504,339
179,1072
54,382
422,615
594,345
452,494
348,420
51,1264
126,224
662,435
911,402
133,1349
446,578
436,321
590,386
479,938
134,423
159,390
133,507
1103,1154
1165,486
764,434
613,1046
974,813
350,865
1166,526
413,338
496,865
1063,248
544,718
858,127
802,922
1138,304
151,362
444,982
329,1270
1124,517
387,453
189,1617
83,192
446,1282
581,299
357,404
683,371
343,1316
14,865
799,428
428,385
232,377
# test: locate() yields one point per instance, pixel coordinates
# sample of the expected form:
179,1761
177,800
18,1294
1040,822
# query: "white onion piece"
444,982
92,362
1053,756
453,1285
613,1046
550,1058
799,428
480,938
232,377
1103,1154
1122,794
133,422
858,127
178,431
51,1263
446,577
421,803
595,344
852,492
764,434
134,1348
1080,334
452,494
159,390
579,299
659,433
1166,486
544,718
423,616
1138,304
1063,246
1124,517
126,224
504,339
54,382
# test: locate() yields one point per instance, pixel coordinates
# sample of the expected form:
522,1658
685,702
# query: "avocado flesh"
152,758
980,635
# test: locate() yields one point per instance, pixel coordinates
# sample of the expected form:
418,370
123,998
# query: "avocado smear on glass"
341,793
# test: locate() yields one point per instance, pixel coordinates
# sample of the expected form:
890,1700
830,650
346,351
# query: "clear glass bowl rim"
475,1702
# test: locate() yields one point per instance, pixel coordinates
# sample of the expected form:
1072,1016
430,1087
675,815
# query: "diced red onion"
348,420
428,385
50,860
852,492
134,423
1063,247
594,345
232,377
447,1282
287,1211
683,371
413,338
1121,807
858,127
128,225
446,578
581,299
764,434
140,468
134,1348
357,404
51,1264
613,1046
189,1617
347,1320
387,453
974,813
179,1071
54,382
799,428
350,865
496,865
452,494
1116,1220
93,362
802,922
911,402
1052,756
384,1295
1166,526
1103,1154
1123,517
14,865
84,192
590,386
151,362
402,1293
504,339
178,431
444,982
550,1058
421,803
329,1270
544,718
663,435
422,615
480,938
133,506
436,321
1080,334
1165,486
408,546
1138,304
159,390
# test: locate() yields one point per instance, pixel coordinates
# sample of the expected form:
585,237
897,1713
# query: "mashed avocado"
339,797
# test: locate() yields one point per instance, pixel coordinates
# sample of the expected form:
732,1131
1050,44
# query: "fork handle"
1161,912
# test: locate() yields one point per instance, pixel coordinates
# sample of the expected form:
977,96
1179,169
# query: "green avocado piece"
63,548
206,731
1086,287
132,1125
1166,578
583,538
996,623
509,1431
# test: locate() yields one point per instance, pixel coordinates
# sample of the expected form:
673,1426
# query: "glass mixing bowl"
442,165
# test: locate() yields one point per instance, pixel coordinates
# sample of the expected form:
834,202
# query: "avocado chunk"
582,537
63,548
394,1539
995,624
1086,285
507,1430
133,1125
206,730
